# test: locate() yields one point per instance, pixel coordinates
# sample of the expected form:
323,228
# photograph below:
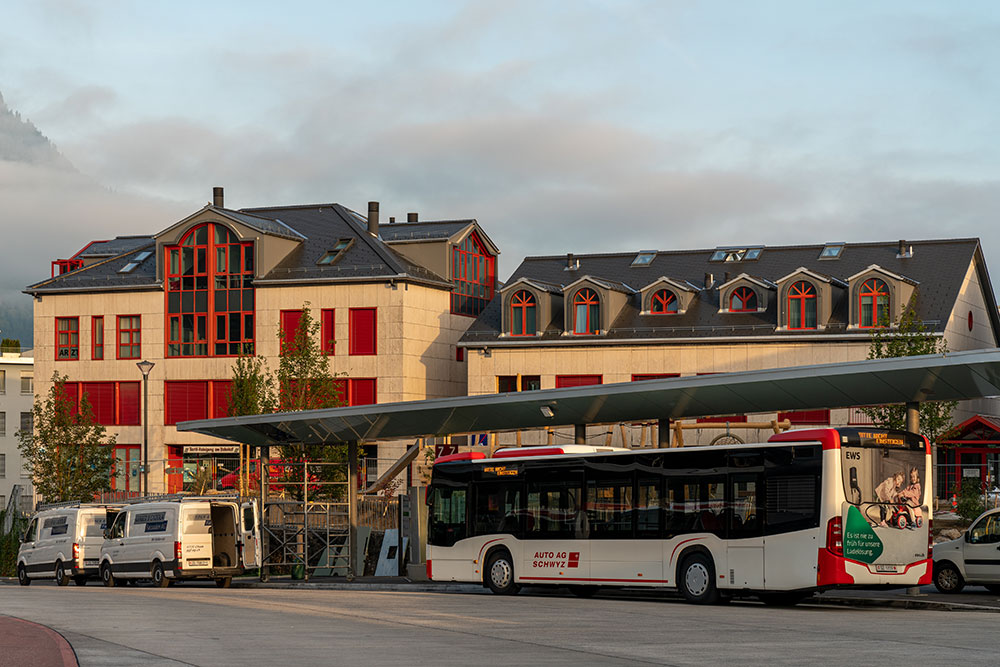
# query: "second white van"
63,543
188,538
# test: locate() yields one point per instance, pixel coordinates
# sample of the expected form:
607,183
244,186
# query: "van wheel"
224,582
948,579
80,580
62,579
696,579
22,575
158,576
107,576
500,574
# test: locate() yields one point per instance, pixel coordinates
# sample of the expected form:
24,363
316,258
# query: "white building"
16,398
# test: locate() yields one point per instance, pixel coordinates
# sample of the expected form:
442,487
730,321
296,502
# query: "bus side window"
743,511
792,503
609,507
498,508
649,508
555,509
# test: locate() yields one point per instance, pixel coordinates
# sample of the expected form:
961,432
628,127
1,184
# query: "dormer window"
523,314
586,312
664,302
333,255
802,306
873,304
743,300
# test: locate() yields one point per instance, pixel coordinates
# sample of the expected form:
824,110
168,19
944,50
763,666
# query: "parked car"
178,539
973,558
63,543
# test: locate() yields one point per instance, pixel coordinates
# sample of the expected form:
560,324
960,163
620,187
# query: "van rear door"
250,534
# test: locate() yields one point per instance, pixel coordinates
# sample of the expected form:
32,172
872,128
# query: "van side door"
114,544
982,550
250,534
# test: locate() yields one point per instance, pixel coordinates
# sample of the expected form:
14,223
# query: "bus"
807,511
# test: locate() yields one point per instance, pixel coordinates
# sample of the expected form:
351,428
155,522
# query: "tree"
10,345
68,454
910,338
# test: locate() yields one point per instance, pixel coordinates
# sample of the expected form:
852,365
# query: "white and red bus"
807,511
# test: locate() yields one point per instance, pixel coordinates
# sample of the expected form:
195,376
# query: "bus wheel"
158,576
22,575
500,574
948,579
80,580
584,591
62,579
697,579
107,576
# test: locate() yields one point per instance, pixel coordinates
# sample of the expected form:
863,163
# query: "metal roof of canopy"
956,376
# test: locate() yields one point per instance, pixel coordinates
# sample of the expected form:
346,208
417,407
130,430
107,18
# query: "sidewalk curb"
899,603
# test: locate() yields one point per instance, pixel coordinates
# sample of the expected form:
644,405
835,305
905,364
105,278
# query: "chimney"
411,217
217,198
904,250
709,281
392,219
373,218
571,263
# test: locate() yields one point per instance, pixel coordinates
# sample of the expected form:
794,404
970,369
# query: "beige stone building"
606,318
392,299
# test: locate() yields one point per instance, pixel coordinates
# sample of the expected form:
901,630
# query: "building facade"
604,318
392,301
16,389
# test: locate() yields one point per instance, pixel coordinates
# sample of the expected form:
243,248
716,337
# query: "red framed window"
71,393
112,403
128,403
97,338
328,341
125,471
664,302
638,377
586,312
743,300
361,391
209,294
67,338
290,320
362,326
129,335
523,314
195,399
577,380
510,383
802,306
801,417
473,275
873,304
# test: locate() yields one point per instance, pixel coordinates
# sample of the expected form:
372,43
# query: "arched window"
873,304
664,303
586,312
522,314
802,306
210,296
743,300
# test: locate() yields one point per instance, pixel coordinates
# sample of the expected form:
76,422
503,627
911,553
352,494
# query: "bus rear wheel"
500,574
697,579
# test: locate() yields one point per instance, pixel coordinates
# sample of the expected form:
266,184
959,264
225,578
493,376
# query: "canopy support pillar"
263,463
580,434
352,507
663,433
913,426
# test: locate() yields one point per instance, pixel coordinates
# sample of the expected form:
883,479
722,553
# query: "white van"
63,543
186,538
973,558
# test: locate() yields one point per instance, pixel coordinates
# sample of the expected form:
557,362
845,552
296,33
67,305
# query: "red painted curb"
27,644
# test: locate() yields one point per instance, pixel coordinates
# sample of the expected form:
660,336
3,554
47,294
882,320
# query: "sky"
579,126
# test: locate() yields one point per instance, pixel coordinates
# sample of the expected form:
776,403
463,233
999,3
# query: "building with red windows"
589,319
392,300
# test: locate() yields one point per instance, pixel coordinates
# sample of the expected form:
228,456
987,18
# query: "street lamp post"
144,368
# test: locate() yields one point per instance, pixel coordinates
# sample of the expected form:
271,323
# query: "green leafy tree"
253,388
10,345
910,338
68,454
304,379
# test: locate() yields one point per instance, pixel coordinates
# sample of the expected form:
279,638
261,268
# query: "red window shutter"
71,390
362,325
221,389
362,391
459,354
102,401
577,380
290,320
327,342
185,401
817,417
128,403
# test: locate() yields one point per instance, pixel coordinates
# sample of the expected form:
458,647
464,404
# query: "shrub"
970,500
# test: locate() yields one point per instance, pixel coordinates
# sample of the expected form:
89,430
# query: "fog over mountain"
49,210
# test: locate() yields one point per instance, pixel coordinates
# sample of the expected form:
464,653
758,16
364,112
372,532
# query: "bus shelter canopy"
955,376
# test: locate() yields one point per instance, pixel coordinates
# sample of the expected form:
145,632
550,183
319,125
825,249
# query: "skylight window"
644,258
136,261
335,253
735,254
831,251
752,253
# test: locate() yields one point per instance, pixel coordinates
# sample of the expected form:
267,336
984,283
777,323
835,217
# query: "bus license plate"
886,568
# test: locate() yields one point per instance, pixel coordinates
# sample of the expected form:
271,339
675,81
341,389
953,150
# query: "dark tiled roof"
267,224
418,231
104,274
938,266
115,246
